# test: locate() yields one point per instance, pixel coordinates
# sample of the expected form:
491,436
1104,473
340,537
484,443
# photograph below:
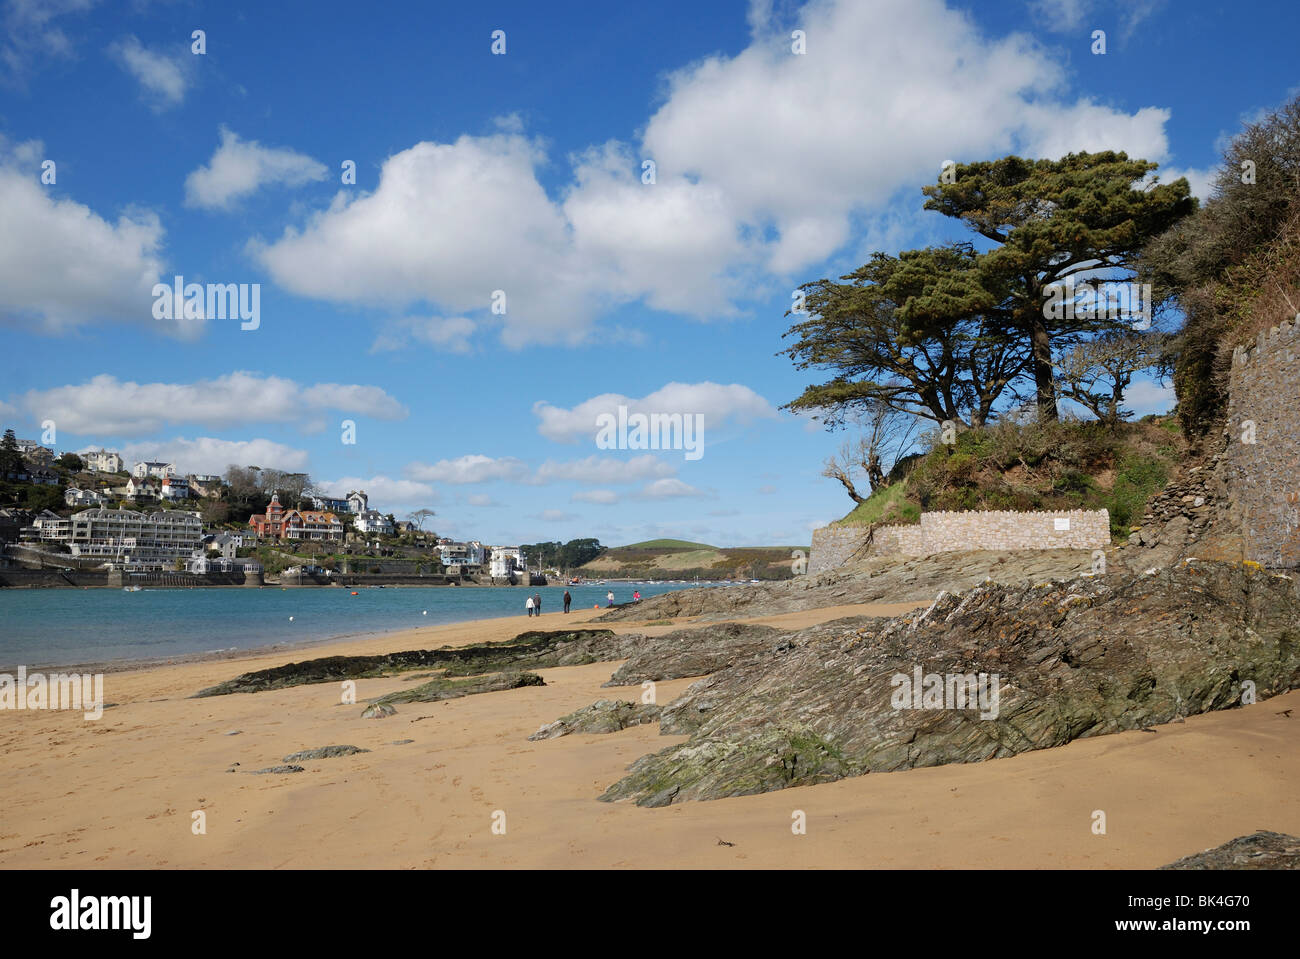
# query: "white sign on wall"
1062,522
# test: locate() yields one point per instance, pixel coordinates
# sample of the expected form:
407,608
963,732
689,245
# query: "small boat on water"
132,589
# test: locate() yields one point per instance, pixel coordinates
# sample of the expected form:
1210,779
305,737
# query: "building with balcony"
309,525
174,488
137,540
373,521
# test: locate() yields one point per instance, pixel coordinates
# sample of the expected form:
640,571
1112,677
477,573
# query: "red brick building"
306,524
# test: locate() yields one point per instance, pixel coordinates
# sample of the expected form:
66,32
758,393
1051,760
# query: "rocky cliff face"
1071,658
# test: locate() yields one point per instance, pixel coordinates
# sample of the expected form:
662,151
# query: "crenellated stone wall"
1263,450
944,532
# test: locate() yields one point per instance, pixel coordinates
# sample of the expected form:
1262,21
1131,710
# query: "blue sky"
521,172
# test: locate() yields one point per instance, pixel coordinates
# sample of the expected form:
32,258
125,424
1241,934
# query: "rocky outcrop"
378,711
1189,511
693,652
436,690
1058,661
882,580
324,752
1260,850
602,716
530,650
275,770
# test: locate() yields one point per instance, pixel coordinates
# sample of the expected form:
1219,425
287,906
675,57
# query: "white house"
137,488
331,504
102,461
174,488
461,554
50,527
358,501
83,497
373,521
505,560
156,470
227,542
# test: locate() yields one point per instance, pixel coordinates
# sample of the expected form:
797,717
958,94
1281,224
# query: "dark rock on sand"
602,716
1261,850
439,689
275,770
1074,658
530,650
324,752
378,711
695,651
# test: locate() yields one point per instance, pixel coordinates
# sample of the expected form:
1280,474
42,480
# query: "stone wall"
1263,452
1010,529
833,546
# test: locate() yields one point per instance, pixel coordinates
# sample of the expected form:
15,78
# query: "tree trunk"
848,487
1044,378
875,475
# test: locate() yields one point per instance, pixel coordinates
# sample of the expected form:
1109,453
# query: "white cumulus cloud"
164,77
105,405
62,264
472,468
240,167
716,402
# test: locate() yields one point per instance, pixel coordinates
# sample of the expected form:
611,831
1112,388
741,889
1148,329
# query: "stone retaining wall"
1263,451
833,546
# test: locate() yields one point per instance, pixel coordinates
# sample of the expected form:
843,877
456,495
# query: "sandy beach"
120,792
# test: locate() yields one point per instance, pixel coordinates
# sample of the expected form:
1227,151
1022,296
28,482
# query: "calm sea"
60,627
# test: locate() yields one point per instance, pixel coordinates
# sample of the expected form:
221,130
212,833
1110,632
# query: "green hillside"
672,559
666,544
1057,466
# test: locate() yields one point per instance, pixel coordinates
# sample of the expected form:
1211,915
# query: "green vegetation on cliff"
1040,466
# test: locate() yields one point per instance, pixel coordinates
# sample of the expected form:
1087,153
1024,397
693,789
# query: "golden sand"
121,792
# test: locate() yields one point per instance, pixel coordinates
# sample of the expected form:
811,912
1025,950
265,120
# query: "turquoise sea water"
60,627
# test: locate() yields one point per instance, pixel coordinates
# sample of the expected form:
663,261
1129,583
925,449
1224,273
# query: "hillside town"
90,510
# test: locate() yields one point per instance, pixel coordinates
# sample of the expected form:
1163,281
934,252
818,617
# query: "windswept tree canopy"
1051,220
912,332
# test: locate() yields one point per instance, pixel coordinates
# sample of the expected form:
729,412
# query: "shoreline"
235,654
288,647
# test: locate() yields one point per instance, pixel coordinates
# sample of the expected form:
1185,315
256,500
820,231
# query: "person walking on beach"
609,597
567,600
529,606
537,603
636,595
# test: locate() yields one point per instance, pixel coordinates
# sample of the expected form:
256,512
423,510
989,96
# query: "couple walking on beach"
534,603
